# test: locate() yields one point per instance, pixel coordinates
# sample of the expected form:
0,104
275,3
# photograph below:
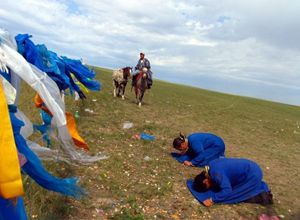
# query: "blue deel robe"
144,63
203,148
235,179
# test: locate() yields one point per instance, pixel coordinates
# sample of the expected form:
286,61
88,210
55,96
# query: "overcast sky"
244,47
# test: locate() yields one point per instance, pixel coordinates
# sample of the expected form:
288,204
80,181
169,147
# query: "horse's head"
127,72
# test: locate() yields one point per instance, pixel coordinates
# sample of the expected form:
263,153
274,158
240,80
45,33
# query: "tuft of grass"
131,212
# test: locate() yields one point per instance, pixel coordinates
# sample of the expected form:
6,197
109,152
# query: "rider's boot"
133,80
149,83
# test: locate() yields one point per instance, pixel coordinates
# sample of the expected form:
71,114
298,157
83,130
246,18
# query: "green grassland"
140,180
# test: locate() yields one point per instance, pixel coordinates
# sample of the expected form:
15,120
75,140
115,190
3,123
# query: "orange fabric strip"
71,124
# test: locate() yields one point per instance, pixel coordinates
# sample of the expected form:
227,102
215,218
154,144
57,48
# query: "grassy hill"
140,180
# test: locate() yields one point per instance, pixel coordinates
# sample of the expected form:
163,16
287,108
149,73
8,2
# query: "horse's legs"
140,97
142,90
115,88
123,91
136,93
118,88
118,93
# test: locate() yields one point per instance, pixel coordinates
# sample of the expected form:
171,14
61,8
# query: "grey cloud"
256,40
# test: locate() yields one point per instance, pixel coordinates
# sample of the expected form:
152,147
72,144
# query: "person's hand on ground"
187,163
208,202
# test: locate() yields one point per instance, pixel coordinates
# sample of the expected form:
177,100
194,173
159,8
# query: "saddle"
136,77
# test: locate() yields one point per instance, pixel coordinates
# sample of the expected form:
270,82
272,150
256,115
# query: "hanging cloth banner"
10,179
71,124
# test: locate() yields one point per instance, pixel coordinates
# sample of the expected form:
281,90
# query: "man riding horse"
143,65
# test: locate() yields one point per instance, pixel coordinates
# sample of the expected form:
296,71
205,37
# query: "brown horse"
140,86
120,79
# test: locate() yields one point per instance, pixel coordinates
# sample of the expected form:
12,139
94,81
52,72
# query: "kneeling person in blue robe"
198,149
231,180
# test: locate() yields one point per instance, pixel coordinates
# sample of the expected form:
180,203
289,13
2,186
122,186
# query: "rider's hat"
142,53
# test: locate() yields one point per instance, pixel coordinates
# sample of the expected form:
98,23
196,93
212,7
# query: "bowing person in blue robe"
231,180
198,149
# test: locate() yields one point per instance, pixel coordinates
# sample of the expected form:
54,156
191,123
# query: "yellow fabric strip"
10,175
81,86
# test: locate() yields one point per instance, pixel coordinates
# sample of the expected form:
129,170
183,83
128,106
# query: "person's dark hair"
178,141
198,184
